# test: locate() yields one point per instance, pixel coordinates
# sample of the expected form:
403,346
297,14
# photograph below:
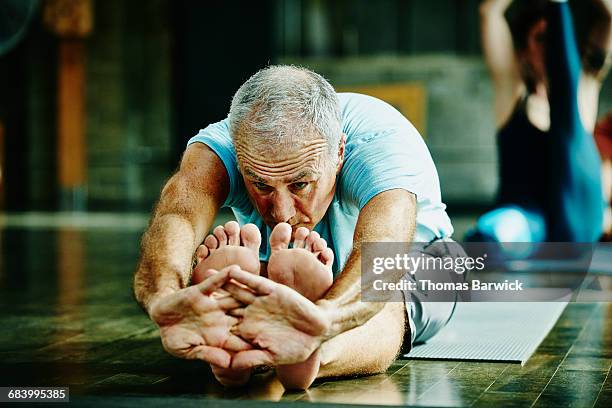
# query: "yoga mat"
492,331
602,260
600,263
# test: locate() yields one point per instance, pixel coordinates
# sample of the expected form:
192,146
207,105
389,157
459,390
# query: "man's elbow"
381,366
138,289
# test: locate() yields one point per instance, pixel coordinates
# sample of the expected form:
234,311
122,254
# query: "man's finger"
235,343
238,283
219,293
252,358
212,355
214,282
261,286
206,273
244,296
237,312
228,303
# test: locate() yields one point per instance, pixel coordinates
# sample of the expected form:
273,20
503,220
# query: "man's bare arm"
185,212
388,217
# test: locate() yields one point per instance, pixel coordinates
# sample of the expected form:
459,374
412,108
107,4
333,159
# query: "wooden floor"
67,318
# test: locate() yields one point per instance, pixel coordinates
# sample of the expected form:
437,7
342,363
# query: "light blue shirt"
383,152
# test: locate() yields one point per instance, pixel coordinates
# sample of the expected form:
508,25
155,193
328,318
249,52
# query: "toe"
211,243
232,230
327,257
311,240
202,253
319,245
219,232
300,237
280,236
251,237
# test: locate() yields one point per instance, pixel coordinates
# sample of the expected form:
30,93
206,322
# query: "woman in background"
546,98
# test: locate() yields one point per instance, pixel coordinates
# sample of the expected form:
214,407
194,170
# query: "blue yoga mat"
492,331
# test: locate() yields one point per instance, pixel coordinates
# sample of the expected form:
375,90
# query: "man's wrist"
328,308
345,316
156,297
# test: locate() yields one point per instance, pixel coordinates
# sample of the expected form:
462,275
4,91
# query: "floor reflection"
358,391
70,268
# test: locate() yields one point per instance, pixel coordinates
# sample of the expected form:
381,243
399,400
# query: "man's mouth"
273,225
294,227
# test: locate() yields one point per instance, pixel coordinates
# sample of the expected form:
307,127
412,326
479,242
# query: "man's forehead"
278,148
272,160
299,174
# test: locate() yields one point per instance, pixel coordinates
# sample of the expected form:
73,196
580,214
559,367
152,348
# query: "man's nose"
283,208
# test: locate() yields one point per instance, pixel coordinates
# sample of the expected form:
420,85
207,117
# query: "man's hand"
193,322
285,326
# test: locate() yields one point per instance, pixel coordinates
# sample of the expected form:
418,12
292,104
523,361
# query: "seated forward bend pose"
546,101
295,162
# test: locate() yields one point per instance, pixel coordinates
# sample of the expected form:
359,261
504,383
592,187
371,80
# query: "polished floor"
67,318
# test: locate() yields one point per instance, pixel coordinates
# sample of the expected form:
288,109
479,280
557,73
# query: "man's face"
294,185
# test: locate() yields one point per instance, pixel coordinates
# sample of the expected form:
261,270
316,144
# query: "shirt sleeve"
218,138
394,159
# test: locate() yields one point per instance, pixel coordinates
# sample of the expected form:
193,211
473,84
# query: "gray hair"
281,105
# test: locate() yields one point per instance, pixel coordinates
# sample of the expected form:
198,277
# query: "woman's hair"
522,15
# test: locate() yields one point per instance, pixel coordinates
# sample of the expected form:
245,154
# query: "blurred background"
98,98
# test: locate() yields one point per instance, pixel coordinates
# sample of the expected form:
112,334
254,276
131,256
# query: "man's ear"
341,153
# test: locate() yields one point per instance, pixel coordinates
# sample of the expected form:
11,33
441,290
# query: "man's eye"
261,186
300,185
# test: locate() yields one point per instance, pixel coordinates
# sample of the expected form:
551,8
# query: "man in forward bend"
310,175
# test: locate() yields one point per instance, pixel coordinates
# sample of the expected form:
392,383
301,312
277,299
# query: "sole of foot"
229,244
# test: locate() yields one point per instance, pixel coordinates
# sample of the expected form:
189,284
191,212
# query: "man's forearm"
355,326
367,349
167,247
184,214
378,223
342,303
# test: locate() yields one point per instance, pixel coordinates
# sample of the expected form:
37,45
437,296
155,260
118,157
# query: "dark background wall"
217,46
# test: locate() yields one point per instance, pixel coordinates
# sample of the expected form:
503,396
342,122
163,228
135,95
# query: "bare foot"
228,245
307,268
